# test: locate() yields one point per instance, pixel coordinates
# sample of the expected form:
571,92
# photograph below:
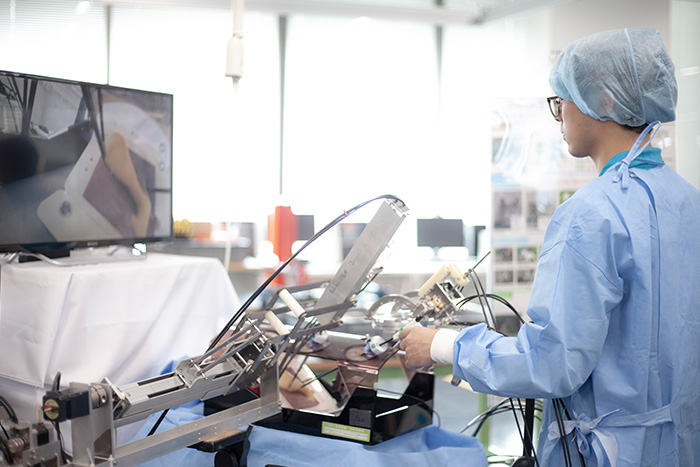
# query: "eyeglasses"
555,106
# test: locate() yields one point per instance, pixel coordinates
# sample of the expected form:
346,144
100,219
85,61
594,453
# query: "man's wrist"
442,346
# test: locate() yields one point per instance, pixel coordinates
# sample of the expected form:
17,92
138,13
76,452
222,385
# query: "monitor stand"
53,253
81,256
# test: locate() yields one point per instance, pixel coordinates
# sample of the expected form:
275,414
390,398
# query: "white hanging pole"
234,70
237,7
234,48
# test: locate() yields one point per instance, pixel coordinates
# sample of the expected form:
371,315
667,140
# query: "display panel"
438,233
82,164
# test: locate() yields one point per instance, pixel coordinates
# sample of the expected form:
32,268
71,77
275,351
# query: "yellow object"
182,229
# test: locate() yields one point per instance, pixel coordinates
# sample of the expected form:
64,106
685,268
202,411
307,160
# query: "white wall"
576,19
685,47
522,68
505,58
678,22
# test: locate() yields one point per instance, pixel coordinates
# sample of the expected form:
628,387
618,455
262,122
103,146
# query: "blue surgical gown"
615,331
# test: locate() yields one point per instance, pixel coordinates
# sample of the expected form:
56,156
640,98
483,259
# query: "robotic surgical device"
258,373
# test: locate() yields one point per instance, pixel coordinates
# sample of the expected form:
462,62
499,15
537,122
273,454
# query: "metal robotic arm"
249,357
258,350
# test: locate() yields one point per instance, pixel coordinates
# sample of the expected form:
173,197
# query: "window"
361,112
226,143
56,39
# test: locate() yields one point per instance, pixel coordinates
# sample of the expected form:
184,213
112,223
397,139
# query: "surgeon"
613,347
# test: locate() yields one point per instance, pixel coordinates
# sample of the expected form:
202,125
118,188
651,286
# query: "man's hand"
416,343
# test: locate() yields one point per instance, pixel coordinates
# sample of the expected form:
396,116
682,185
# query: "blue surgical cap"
625,75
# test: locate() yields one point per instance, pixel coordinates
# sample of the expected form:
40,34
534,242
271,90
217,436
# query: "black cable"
508,305
520,432
64,455
496,297
371,279
10,410
529,448
568,417
562,433
529,438
5,449
494,410
485,295
479,295
56,385
421,402
56,381
318,377
481,418
158,422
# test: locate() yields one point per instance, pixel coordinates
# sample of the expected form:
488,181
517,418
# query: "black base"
376,418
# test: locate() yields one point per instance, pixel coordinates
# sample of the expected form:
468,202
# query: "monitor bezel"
60,248
429,225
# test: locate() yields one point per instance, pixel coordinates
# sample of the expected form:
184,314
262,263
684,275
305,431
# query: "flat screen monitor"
438,233
305,226
471,238
82,164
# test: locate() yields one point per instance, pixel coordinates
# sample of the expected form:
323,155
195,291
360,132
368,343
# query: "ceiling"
432,11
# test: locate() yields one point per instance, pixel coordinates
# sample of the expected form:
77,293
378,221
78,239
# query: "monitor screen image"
83,164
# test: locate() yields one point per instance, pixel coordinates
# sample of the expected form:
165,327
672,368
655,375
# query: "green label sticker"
345,431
